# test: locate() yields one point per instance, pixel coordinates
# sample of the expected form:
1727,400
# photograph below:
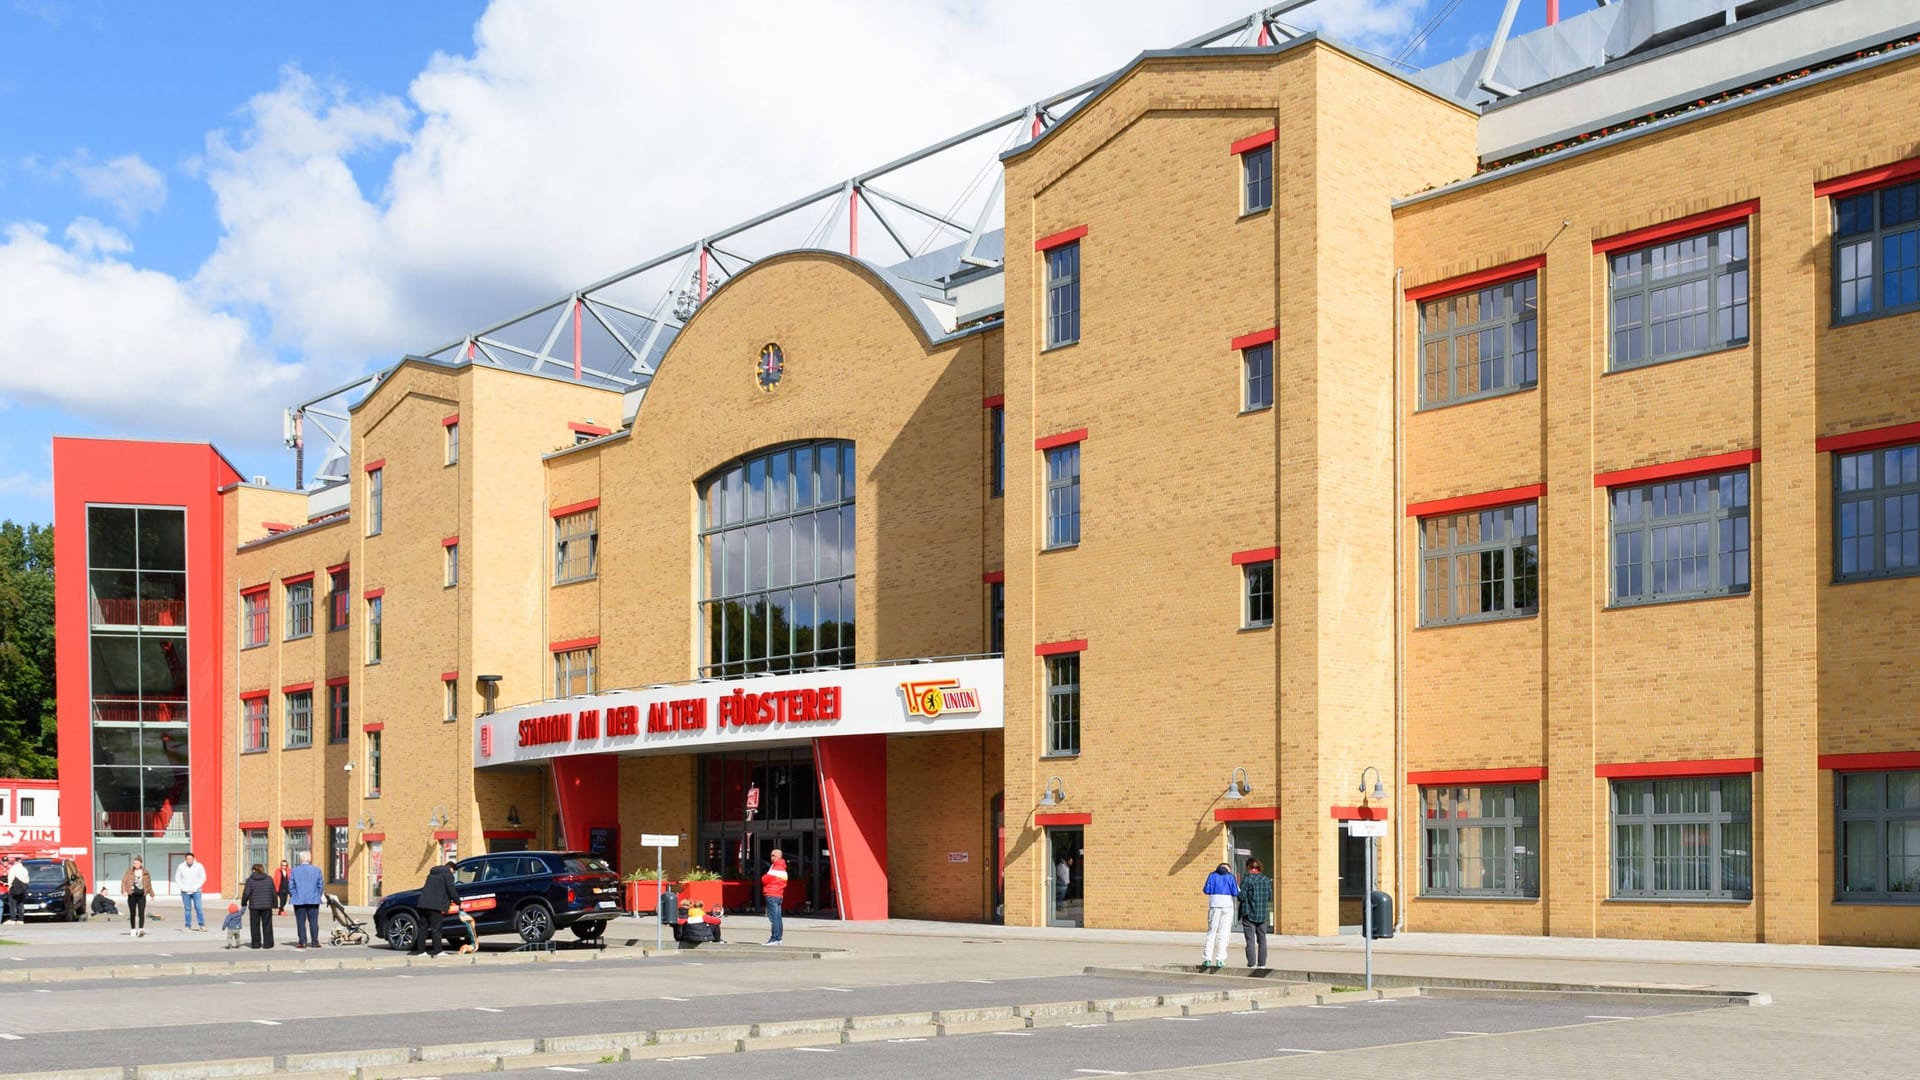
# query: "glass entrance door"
1251,840
1066,853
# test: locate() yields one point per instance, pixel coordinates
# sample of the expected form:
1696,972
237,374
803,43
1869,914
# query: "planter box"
736,895
708,893
643,897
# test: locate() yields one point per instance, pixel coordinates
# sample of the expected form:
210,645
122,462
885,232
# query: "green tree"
27,728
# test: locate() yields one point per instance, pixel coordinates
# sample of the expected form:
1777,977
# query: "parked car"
534,894
55,890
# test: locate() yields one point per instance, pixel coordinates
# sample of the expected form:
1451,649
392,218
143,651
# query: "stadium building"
1310,441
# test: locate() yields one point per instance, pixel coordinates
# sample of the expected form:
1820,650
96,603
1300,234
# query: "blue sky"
208,212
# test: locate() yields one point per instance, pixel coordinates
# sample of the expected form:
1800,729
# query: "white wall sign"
900,699
1366,828
659,840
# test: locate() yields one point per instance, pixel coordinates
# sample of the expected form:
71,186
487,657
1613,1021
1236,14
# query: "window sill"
1629,605
575,581
1254,627
302,746
1457,623
1059,547
298,637
1057,754
337,742
1712,901
1248,215
449,585
372,663
1482,899
1494,395
1842,322
371,795
261,750
1059,346
1877,901
1733,346
1257,409
1866,579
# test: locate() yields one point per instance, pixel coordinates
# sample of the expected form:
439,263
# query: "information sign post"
659,842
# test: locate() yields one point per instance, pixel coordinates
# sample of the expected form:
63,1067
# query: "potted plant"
701,885
642,890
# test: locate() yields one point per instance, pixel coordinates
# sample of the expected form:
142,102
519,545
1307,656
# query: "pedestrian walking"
773,886
189,878
437,896
231,924
280,879
1223,894
1256,912
257,895
16,892
306,891
135,884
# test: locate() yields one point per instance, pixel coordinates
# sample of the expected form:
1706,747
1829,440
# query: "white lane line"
1086,1025
838,989
689,1057
1384,1001
16,958
483,1008
13,1038
43,991
818,1049
1021,1034
1101,1072
665,998
163,954
1295,1050
1609,1017
269,1023
403,976
905,1040
235,982
1464,1033
982,982
565,1068
1185,1019
1326,1006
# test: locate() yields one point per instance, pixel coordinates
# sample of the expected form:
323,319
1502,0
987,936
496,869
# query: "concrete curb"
1435,985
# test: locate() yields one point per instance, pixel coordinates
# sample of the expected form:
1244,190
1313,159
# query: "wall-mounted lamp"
1379,792
1054,794
1238,787
366,823
513,816
348,767
489,686
440,819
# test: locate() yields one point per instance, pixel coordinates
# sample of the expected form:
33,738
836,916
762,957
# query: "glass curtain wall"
137,601
776,531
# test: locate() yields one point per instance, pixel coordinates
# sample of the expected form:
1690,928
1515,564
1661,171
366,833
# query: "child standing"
231,924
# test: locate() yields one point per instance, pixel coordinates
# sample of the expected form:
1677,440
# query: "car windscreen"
46,875
585,864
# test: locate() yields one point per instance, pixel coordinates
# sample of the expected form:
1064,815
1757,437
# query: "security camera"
349,766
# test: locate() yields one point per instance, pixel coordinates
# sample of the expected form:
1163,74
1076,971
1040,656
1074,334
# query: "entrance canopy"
908,698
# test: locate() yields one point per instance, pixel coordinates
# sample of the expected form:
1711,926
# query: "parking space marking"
564,1068
1295,1050
664,998
1609,1017
1464,1033
12,1038
908,1040
1101,1072
1019,1034
820,1049
1185,1019
483,1008
838,989
268,1023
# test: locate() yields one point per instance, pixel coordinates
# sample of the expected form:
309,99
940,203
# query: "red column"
588,788
853,788
1553,12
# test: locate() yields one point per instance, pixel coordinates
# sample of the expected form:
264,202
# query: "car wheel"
534,923
403,929
590,931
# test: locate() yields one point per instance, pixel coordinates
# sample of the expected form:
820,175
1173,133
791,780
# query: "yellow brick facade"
1176,479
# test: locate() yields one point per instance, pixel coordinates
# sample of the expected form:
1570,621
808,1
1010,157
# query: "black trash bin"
1382,914
669,908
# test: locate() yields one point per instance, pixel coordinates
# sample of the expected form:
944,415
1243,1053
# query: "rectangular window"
997,617
298,839
453,443
573,672
576,546
299,707
1483,564
253,725
373,629
255,843
373,763
300,610
374,484
1257,608
1683,838
1481,841
1257,364
1679,539
1256,170
452,692
338,601
453,565
1879,841
1481,343
1680,298
997,423
1063,704
253,618
337,718
1876,509
1063,294
1876,252
337,853
1063,496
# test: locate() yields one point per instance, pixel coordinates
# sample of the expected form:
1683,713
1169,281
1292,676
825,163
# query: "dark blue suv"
530,893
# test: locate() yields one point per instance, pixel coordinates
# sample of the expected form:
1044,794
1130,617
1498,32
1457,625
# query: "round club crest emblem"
771,366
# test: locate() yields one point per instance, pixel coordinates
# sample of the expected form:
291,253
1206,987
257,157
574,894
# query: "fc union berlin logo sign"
936,697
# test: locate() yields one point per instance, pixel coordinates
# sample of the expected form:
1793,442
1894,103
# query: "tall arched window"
776,533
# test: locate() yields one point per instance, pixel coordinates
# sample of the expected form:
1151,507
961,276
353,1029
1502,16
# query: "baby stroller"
346,929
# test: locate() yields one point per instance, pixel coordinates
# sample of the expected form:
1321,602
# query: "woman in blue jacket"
1223,896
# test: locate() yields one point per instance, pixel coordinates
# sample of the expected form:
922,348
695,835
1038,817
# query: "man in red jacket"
773,885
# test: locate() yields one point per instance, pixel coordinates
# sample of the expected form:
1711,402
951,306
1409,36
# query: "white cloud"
131,348
126,183
572,140
89,237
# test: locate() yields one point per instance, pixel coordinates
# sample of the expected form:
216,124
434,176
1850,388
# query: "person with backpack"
135,884
1223,895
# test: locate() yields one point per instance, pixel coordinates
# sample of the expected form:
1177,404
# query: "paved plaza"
947,1000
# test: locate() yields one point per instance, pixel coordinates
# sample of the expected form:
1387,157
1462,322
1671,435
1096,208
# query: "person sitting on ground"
103,904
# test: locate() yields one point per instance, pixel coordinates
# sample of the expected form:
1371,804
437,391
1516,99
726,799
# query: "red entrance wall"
853,789
588,788
187,475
